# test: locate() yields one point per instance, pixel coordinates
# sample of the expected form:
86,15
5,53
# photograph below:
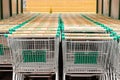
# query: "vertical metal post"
17,7
21,6
10,7
97,10
110,5
1,10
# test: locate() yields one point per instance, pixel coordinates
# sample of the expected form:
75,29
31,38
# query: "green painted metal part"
108,29
1,49
85,58
11,30
34,55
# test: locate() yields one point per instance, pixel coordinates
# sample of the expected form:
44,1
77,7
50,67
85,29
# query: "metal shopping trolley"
5,51
114,26
35,48
34,55
89,55
116,63
5,56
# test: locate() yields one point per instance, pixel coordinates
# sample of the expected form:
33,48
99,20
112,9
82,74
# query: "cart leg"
100,77
106,76
115,77
20,76
111,75
57,78
17,76
14,76
64,76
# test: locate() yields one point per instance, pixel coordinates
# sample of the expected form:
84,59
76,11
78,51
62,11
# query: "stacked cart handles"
60,29
11,30
61,26
108,29
22,24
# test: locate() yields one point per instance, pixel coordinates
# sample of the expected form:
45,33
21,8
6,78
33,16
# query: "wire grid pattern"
104,77
115,62
5,55
34,55
86,56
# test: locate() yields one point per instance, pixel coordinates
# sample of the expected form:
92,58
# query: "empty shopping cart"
38,55
5,56
86,54
116,63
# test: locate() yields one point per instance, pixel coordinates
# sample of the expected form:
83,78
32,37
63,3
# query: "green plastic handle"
63,37
6,35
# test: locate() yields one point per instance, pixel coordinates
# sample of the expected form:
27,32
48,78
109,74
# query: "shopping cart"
35,48
38,55
86,54
87,48
5,26
114,25
115,63
5,56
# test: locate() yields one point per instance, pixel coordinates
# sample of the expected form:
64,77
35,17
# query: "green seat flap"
34,55
85,58
1,49
27,56
40,56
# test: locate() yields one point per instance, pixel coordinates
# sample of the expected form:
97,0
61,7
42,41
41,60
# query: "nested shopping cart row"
86,49
5,26
35,47
15,20
113,26
76,23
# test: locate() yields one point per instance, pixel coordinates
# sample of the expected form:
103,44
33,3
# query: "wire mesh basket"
5,55
35,55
